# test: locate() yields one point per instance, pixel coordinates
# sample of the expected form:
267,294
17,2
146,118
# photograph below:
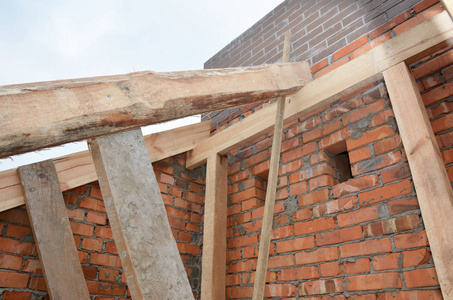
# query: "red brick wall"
20,270
363,238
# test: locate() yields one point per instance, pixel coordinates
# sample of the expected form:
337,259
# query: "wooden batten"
98,106
146,246
358,73
434,192
52,232
78,169
213,274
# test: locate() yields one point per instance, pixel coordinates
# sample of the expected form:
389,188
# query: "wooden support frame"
137,216
78,169
434,191
52,232
412,44
93,107
213,274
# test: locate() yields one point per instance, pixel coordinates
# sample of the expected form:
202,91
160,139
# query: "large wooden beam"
39,115
78,169
137,216
213,274
353,75
52,232
434,192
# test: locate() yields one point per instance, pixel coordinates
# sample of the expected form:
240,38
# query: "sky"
53,40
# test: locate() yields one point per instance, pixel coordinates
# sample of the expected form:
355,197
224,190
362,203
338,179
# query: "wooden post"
52,232
138,219
448,4
214,230
268,218
431,182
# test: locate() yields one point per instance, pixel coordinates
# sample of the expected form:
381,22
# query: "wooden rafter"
146,246
434,192
39,115
365,69
78,169
52,232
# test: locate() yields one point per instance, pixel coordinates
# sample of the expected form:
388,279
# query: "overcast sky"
50,40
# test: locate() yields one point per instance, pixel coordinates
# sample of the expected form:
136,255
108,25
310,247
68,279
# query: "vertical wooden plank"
52,232
433,188
448,4
268,217
213,264
138,219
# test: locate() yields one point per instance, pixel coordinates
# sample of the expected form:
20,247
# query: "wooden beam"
39,115
268,217
213,274
448,4
52,232
137,216
434,192
353,75
78,169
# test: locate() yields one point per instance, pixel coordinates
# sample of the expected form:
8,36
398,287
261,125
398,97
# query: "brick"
414,294
374,282
242,266
82,229
96,217
416,257
330,269
337,64
342,109
303,127
319,66
387,144
360,265
10,262
108,274
239,292
381,118
280,261
390,226
15,295
316,225
188,248
321,131
321,181
295,244
320,169
105,260
411,240
302,214
350,48
363,112
334,206
369,137
308,272
335,142
420,277
280,290
386,192
106,288
15,215
92,204
242,241
17,247
17,231
395,173
104,233
387,261
359,154
32,266
37,283
339,236
298,188
314,197
282,232
76,214
402,205
325,286
90,272
316,256
376,163
92,244
366,248
361,215
355,185
13,280
438,93
442,123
